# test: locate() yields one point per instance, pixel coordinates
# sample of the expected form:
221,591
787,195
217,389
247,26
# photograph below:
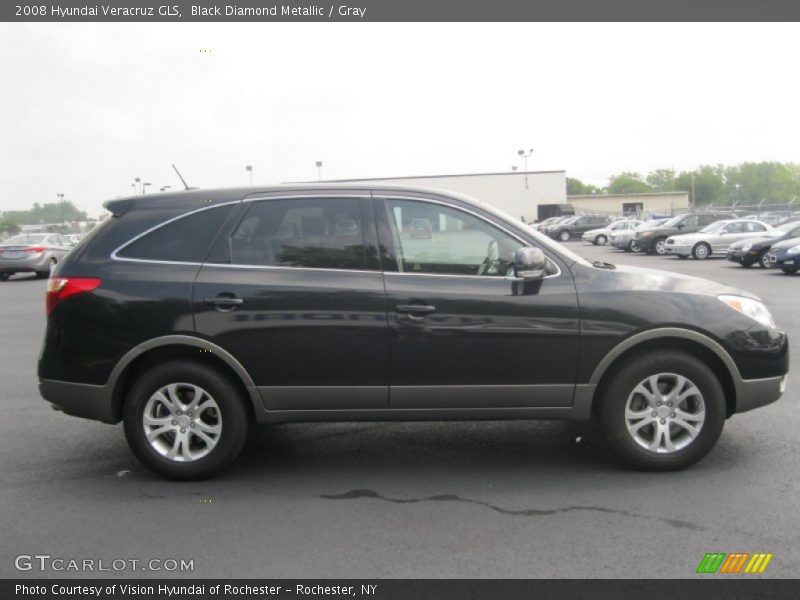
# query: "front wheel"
662,411
185,421
660,246
633,247
763,260
701,251
600,240
564,236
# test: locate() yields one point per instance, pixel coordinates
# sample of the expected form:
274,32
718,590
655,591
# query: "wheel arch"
697,344
152,352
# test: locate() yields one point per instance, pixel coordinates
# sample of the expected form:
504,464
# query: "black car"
652,239
189,315
576,227
785,256
755,251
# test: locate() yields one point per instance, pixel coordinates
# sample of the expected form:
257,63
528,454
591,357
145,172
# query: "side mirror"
529,263
680,225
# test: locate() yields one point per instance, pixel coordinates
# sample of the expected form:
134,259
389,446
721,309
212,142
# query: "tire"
51,264
4,276
658,246
746,264
687,449
701,251
633,247
224,421
600,240
790,270
564,236
763,260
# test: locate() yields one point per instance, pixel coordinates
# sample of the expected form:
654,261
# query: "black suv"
576,227
652,239
188,315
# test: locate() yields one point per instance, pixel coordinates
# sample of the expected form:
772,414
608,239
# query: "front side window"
754,227
435,239
185,239
319,233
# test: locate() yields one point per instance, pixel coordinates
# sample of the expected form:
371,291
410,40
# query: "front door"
294,291
465,332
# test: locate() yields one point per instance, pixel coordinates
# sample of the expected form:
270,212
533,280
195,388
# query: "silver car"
625,239
32,253
600,237
714,239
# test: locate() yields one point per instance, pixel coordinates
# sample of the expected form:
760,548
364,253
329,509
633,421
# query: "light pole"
249,169
164,188
137,180
319,170
61,206
525,155
144,188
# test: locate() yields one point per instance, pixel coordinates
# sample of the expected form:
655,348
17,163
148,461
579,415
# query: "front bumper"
781,261
743,258
754,393
677,249
646,243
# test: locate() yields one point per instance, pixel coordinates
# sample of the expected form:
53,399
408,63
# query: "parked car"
600,237
576,226
32,253
540,226
189,329
785,255
558,221
652,239
754,250
714,239
421,228
624,239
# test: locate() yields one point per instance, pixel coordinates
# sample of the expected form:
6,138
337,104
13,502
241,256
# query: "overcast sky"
85,108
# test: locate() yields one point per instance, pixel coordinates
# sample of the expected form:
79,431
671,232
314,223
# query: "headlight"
746,247
750,308
794,250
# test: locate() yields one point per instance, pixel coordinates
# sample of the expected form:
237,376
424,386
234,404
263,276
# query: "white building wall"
506,191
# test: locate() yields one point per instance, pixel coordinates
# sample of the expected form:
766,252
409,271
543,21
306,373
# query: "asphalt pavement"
477,499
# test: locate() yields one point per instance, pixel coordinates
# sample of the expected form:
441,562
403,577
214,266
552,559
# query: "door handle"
224,303
416,311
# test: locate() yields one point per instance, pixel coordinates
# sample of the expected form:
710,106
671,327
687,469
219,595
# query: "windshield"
674,221
714,227
27,238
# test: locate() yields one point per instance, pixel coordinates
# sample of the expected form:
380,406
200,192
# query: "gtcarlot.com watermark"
46,562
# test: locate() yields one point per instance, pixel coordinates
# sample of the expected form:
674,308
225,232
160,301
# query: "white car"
624,239
714,239
600,237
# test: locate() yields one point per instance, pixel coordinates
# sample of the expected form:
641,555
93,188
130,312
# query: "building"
517,193
649,204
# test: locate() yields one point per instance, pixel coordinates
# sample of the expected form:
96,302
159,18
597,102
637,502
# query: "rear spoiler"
118,207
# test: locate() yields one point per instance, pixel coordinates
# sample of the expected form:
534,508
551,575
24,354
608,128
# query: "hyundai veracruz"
188,315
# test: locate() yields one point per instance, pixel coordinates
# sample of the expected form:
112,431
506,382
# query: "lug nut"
672,414
653,414
669,403
191,425
175,422
180,412
663,421
657,404
183,429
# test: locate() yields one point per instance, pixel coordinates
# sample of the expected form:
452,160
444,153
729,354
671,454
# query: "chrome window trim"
478,216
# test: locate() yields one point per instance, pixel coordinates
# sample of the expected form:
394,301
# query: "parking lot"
496,499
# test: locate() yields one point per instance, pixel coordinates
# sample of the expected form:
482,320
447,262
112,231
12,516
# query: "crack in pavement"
528,512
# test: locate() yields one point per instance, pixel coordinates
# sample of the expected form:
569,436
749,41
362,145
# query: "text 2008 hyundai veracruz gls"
188,315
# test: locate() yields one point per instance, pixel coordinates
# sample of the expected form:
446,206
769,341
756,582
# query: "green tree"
661,180
9,225
628,183
708,182
772,182
53,212
575,187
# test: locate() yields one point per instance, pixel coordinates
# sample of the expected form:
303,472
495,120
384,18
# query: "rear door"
293,290
464,332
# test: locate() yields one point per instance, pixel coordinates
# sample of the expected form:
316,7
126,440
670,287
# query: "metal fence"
769,213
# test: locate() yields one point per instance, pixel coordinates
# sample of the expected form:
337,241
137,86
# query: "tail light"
61,288
35,250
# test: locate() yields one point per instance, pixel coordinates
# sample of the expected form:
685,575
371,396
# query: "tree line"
51,212
746,184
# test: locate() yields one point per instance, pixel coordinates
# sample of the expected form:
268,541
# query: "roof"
437,176
638,194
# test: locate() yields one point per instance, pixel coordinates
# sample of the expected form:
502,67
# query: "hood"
784,244
691,237
754,241
640,279
596,231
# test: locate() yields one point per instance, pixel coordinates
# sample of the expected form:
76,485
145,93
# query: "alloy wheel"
660,247
764,261
182,422
665,413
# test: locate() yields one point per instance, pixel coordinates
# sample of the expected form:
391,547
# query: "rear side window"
185,239
318,233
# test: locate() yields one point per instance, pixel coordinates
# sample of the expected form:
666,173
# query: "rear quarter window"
185,239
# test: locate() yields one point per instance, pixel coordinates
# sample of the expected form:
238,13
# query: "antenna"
183,181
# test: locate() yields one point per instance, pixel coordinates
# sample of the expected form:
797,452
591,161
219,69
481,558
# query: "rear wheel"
185,421
601,240
4,276
659,246
663,411
564,236
633,247
763,260
701,251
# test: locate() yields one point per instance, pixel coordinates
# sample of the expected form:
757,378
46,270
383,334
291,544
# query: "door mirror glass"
529,263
